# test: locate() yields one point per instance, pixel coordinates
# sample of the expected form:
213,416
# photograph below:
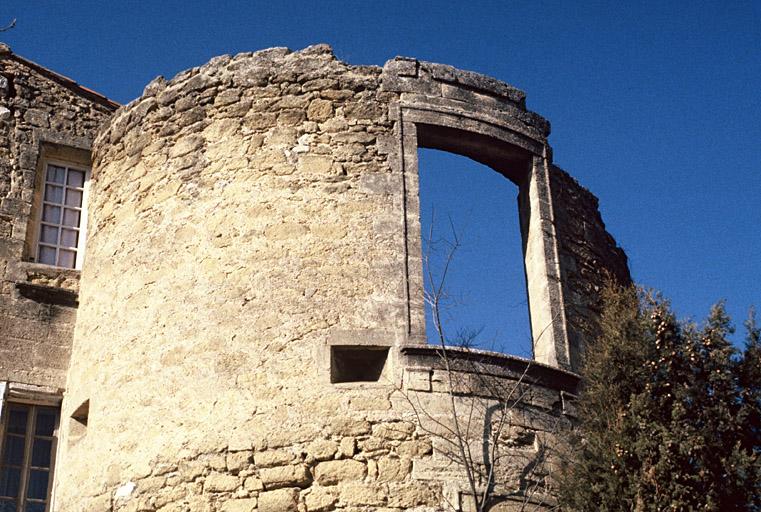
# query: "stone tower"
250,313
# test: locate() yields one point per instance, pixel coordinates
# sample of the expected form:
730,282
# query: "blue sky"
655,107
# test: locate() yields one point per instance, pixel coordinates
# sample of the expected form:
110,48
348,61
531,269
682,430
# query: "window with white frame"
26,457
60,240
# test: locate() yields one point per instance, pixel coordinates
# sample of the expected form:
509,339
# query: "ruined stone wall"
40,113
589,258
250,217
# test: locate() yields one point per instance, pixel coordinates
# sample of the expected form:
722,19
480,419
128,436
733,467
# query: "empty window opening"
472,255
26,464
357,363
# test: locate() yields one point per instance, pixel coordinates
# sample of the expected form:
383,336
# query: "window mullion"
25,473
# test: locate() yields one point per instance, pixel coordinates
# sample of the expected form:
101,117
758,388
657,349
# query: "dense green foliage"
670,416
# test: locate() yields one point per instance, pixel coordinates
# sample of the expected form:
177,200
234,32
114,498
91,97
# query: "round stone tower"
250,328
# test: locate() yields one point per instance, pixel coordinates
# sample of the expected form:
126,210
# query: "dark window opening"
483,300
28,450
357,363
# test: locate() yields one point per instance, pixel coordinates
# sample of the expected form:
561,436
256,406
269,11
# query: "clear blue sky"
655,107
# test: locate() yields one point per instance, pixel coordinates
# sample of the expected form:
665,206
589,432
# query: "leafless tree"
476,435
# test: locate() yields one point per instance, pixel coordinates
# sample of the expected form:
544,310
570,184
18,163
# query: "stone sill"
45,283
364,385
491,363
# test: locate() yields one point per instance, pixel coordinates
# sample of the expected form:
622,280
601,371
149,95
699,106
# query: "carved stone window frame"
461,112
67,157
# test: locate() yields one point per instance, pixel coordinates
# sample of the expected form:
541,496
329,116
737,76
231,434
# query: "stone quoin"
248,330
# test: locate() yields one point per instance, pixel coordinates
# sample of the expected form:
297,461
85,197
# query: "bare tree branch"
476,397
8,26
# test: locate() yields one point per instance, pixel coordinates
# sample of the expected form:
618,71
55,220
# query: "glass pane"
73,197
10,478
76,178
55,174
69,237
53,194
14,450
47,255
41,452
7,506
38,484
45,422
17,420
71,218
32,506
49,235
51,214
66,258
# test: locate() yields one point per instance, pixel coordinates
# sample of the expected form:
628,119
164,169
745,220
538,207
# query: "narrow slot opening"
78,423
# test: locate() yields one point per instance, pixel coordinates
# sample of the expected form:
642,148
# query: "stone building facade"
248,331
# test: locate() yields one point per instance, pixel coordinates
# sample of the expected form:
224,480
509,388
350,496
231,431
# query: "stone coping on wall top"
430,84
492,363
410,66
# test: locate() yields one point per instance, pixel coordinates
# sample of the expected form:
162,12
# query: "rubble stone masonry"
250,332
42,115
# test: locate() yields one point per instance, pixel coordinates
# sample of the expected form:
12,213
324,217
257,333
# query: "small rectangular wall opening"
78,422
357,363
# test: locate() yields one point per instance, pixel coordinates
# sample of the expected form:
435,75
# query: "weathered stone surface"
281,500
221,482
349,427
246,215
285,476
239,460
239,505
336,471
253,484
271,458
41,118
355,493
348,446
320,499
396,431
319,110
322,449
393,468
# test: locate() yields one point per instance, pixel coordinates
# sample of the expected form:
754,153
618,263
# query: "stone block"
285,476
239,460
412,494
418,380
414,448
253,483
315,164
337,471
320,499
360,494
394,431
322,449
393,468
271,458
281,500
221,482
320,110
239,505
349,427
348,446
